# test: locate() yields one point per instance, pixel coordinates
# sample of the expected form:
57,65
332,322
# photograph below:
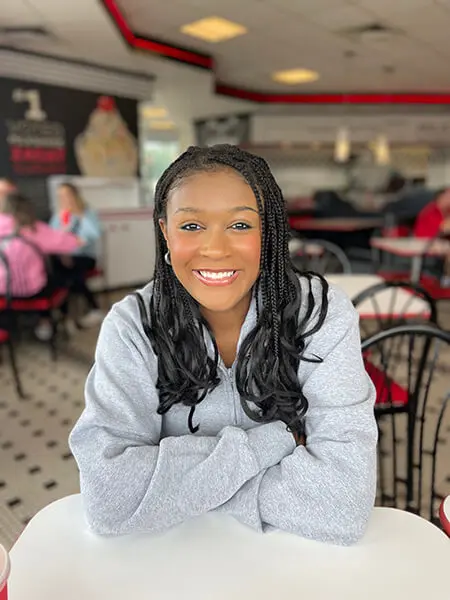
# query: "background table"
336,224
401,557
413,248
353,285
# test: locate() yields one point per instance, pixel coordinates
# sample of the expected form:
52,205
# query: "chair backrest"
410,367
319,256
395,303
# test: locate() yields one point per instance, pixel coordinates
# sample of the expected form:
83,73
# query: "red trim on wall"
197,59
272,98
119,20
185,56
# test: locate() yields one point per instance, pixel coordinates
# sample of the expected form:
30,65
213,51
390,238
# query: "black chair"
319,256
6,323
410,371
398,311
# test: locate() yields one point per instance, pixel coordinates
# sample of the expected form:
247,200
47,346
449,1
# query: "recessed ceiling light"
154,112
293,76
162,124
213,29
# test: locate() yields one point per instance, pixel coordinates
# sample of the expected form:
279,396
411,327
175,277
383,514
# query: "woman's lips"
216,278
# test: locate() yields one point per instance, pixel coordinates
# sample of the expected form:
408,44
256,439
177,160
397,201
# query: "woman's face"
67,200
213,232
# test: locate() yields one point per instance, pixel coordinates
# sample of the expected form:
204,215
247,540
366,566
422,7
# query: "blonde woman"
75,217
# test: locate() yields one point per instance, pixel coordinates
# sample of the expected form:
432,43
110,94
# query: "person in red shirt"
433,220
435,217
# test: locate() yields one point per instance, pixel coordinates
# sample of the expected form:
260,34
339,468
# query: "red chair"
49,303
444,514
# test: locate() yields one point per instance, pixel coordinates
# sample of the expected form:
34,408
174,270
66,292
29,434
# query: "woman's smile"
216,278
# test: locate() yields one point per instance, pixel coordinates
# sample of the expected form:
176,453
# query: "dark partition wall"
48,130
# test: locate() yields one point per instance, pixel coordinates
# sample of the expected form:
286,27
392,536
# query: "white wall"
400,129
439,170
304,180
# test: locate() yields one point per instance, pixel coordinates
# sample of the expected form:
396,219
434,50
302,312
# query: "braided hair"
269,356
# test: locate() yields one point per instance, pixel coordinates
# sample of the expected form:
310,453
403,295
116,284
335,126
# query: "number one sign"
33,99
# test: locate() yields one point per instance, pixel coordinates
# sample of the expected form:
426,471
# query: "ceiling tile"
385,7
17,13
342,18
307,7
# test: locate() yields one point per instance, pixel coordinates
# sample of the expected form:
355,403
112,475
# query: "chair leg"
15,370
52,341
106,299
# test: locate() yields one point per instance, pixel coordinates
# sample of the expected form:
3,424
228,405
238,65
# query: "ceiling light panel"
213,29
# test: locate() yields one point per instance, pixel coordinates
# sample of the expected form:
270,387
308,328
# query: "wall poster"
50,130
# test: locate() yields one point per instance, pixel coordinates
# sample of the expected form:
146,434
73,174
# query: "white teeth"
221,275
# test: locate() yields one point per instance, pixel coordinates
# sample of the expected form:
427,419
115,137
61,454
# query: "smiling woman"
212,229
231,383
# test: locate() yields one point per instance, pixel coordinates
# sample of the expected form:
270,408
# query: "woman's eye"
241,226
190,227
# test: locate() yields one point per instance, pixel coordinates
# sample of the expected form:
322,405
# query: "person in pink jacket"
25,242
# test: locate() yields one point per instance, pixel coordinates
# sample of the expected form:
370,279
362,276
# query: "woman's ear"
163,227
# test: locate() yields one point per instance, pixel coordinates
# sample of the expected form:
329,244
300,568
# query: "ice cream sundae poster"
48,130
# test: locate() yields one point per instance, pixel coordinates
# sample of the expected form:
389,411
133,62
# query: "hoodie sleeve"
132,480
326,490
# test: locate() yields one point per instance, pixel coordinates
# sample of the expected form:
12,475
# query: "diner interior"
348,101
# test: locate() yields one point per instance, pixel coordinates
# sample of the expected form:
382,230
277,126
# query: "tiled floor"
36,466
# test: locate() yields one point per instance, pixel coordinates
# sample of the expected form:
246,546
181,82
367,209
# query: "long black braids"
268,360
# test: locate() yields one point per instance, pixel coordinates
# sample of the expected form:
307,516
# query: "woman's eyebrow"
191,209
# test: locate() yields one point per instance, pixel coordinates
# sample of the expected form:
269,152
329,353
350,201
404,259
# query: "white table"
401,557
301,247
414,249
401,305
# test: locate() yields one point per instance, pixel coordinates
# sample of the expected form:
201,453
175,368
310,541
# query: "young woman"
236,385
74,216
25,242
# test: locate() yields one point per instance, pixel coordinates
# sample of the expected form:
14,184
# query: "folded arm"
326,490
131,479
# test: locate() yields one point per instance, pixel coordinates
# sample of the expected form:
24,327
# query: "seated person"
435,217
26,254
433,220
76,217
232,383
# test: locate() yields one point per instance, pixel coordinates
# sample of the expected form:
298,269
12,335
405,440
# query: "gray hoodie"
142,472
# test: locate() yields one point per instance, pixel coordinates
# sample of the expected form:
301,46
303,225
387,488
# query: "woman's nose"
215,244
